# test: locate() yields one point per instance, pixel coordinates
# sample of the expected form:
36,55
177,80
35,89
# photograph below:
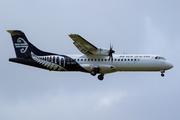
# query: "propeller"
111,51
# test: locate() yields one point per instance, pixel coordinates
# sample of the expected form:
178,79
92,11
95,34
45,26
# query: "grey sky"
132,26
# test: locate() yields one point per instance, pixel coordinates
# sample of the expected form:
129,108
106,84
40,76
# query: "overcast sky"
132,26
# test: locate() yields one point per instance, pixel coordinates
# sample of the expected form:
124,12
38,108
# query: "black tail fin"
22,46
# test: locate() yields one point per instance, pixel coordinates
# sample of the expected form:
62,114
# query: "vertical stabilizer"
22,46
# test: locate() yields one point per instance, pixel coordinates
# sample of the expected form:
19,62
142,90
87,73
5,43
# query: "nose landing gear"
162,73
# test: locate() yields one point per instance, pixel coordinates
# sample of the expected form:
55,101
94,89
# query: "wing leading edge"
86,47
83,45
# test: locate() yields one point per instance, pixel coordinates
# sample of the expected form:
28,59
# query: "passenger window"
128,59
124,59
134,59
105,59
91,59
84,59
88,59
131,59
81,59
114,59
98,59
101,59
118,59
94,59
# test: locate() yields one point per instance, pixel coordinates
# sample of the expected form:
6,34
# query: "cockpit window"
158,57
163,58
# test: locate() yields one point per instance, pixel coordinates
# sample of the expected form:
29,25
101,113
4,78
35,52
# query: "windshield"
158,57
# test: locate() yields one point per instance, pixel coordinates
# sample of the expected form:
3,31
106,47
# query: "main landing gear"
101,76
95,71
162,73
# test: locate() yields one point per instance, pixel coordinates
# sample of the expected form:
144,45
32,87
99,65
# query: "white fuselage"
122,62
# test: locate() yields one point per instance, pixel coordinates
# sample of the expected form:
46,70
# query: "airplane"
94,60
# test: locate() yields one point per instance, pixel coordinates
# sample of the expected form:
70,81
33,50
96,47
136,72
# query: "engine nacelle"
102,67
101,52
106,68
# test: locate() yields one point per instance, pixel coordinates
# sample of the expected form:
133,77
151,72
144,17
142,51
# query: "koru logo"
21,43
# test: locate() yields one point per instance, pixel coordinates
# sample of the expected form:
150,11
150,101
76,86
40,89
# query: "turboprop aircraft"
94,60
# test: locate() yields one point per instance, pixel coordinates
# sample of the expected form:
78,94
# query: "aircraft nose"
170,65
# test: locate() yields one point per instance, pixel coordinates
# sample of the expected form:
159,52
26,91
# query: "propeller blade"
111,51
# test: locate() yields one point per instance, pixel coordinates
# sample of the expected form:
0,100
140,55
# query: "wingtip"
72,34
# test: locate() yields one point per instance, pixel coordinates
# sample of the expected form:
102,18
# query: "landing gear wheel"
101,77
162,74
93,72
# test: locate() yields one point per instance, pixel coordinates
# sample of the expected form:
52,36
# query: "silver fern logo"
49,65
21,43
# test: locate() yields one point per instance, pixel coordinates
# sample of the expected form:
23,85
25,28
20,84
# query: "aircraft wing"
83,45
